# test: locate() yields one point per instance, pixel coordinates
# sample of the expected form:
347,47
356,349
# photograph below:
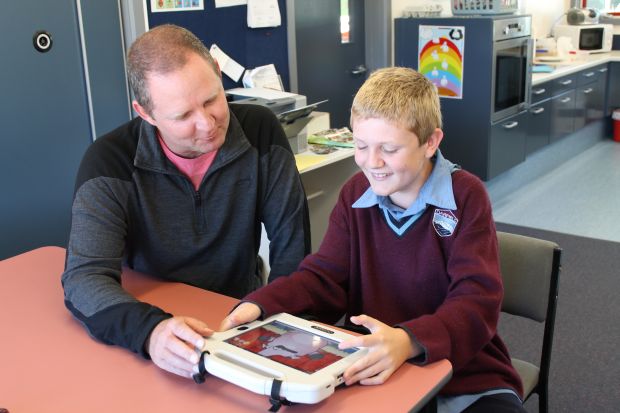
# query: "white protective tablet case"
285,357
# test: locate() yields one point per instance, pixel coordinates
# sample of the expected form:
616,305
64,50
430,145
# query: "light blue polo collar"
436,191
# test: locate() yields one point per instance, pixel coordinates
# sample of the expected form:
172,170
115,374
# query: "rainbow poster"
440,58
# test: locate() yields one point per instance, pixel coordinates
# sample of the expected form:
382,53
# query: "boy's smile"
391,157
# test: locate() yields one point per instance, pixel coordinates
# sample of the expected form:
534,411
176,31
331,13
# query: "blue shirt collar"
437,191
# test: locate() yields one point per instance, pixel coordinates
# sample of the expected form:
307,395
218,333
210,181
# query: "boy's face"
392,158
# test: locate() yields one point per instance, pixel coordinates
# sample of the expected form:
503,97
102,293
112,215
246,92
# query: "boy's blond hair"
401,96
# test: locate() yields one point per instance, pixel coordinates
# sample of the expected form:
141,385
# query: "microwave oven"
592,38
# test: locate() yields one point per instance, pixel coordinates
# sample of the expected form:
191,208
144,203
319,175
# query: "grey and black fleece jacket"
133,207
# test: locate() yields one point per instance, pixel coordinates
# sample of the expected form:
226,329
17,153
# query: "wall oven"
511,71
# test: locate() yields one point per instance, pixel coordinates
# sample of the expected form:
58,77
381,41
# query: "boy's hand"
388,348
244,313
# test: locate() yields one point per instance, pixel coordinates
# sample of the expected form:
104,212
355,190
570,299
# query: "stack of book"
341,137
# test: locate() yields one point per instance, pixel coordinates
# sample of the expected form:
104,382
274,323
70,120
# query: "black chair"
530,271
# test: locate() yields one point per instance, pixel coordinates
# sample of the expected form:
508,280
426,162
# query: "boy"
411,246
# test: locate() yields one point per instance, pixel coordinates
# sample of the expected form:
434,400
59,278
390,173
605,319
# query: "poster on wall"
176,5
440,58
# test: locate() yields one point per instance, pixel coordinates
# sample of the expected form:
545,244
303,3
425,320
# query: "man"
180,193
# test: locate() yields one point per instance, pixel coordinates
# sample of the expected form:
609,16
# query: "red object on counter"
615,116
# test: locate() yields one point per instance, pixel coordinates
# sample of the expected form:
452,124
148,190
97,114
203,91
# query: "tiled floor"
580,197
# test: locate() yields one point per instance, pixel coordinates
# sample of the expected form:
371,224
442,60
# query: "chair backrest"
530,269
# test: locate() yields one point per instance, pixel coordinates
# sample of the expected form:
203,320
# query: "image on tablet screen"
291,346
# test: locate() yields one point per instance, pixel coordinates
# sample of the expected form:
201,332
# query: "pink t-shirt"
194,168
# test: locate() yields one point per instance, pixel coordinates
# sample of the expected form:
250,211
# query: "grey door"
327,67
45,122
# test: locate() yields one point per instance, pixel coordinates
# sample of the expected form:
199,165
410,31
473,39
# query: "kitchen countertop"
575,66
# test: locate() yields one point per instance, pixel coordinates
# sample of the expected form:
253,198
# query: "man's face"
189,108
392,159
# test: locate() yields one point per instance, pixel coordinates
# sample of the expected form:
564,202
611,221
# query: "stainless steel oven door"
512,77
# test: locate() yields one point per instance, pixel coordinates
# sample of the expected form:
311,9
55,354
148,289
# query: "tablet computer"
283,356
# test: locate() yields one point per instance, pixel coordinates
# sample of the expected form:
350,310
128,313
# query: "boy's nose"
375,160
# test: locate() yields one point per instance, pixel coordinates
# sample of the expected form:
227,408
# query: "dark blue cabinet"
507,143
563,115
613,94
539,126
55,101
564,105
591,90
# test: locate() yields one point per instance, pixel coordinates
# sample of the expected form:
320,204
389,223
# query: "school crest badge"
444,222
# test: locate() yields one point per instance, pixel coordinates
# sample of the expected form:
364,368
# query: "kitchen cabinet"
563,114
564,105
563,110
507,143
590,95
613,97
539,126
485,107
539,123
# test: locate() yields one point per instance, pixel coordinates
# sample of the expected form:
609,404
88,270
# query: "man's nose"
205,120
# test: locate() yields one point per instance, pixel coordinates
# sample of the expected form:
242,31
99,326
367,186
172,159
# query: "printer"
291,109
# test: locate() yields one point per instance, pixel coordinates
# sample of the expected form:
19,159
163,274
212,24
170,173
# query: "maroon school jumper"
444,290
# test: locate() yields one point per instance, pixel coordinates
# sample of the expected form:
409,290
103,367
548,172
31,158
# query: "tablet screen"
291,346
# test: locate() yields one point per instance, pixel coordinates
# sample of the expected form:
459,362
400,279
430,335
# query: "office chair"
530,270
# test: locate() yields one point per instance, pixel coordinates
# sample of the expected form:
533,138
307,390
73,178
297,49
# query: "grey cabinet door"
539,126
590,96
590,103
597,108
563,114
507,143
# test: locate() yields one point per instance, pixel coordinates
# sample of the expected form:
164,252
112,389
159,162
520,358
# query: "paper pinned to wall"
176,5
440,58
263,76
263,13
229,3
230,67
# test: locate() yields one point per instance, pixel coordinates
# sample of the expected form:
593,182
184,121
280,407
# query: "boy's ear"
433,142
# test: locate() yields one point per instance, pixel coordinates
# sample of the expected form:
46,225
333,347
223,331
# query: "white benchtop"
568,68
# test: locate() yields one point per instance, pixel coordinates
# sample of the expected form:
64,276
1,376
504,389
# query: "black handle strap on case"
201,376
275,399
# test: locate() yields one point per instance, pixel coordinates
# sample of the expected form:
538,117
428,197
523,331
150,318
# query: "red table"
48,362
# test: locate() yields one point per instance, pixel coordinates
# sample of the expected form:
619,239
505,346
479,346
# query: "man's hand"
388,348
244,313
172,343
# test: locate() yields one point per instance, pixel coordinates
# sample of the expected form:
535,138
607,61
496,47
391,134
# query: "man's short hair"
161,50
401,96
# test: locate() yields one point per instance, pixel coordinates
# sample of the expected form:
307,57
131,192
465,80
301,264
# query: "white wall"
544,12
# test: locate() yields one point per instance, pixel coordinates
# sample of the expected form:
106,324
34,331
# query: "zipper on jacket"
198,210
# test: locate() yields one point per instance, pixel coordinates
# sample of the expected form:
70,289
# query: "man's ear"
433,142
143,113
218,71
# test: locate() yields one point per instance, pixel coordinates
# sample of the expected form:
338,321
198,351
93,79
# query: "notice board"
227,27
